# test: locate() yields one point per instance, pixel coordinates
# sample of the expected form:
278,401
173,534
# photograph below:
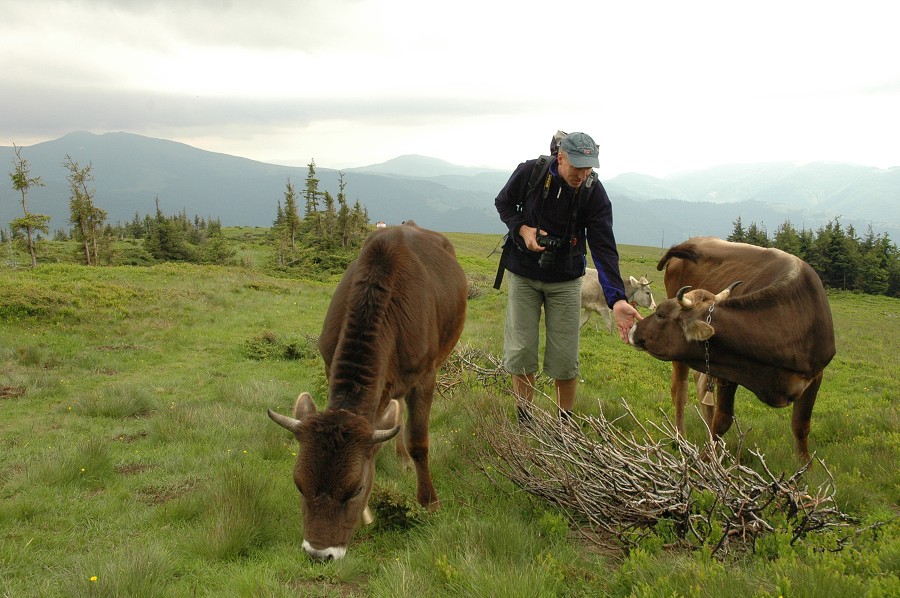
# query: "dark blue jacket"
554,214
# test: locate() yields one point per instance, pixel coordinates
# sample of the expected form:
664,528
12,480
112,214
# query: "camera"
550,245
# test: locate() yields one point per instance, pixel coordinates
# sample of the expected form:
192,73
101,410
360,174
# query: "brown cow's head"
672,331
335,470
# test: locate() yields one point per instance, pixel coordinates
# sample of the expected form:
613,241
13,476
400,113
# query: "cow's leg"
585,315
803,408
706,399
609,319
724,415
679,389
418,407
400,441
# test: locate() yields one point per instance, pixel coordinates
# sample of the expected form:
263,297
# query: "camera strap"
540,170
579,203
578,208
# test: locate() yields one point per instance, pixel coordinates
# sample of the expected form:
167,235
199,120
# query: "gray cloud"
51,111
668,87
304,25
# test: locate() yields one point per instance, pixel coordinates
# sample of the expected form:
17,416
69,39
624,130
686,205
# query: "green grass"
135,448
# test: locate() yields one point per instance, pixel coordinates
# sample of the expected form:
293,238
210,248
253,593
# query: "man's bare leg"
523,388
565,393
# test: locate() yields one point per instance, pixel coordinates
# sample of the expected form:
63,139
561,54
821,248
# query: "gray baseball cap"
581,150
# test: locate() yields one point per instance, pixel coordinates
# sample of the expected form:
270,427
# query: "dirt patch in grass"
132,468
130,437
12,392
157,495
323,586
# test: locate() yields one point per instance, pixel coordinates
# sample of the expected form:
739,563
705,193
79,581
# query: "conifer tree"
787,239
329,222
343,213
833,255
87,218
757,235
286,228
30,223
166,240
738,235
215,248
359,224
291,216
312,222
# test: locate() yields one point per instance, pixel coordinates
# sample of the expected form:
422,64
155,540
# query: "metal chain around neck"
710,381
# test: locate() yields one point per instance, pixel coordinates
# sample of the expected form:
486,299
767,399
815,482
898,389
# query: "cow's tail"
685,251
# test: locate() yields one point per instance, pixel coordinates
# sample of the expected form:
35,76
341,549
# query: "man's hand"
625,315
529,235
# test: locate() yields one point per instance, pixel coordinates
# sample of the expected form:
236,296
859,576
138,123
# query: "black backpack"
540,174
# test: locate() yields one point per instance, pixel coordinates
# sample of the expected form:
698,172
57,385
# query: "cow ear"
634,281
390,418
304,406
697,330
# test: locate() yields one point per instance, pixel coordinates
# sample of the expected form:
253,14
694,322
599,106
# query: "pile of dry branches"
467,364
652,482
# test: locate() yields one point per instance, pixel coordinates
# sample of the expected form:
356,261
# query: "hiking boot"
524,417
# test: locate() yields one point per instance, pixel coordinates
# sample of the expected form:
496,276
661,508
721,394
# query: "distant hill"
131,171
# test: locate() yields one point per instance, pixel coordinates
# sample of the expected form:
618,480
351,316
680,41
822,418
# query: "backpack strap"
578,210
540,174
501,267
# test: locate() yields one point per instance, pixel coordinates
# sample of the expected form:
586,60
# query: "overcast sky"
662,86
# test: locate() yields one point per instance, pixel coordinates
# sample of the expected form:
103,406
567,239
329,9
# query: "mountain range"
131,172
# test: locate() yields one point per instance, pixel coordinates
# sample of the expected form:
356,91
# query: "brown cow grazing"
772,333
394,318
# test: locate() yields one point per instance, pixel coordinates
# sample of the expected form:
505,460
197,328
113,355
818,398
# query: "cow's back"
713,264
404,297
782,295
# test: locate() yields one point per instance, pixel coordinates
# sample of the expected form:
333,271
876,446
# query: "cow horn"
682,301
382,435
723,295
289,423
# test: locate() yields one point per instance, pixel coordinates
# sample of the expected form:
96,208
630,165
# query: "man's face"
574,177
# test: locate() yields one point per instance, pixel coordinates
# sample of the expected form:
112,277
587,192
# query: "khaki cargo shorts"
561,304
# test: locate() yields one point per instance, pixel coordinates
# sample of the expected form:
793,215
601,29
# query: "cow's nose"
332,553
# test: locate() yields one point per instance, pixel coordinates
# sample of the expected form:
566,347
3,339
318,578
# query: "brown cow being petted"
772,333
394,318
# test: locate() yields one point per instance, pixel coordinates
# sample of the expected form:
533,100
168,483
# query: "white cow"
592,298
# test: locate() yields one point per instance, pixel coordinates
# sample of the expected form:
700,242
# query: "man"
551,221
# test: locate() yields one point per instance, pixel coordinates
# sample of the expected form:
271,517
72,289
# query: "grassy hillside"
137,458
